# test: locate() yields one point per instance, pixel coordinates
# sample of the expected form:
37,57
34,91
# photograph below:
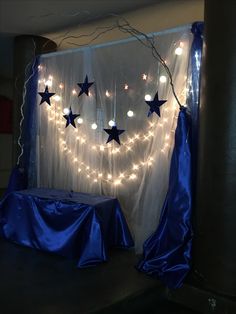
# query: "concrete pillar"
215,215
26,47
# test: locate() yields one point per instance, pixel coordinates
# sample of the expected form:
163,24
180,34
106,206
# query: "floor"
34,282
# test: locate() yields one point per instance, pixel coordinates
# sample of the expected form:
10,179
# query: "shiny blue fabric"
194,76
67,223
167,253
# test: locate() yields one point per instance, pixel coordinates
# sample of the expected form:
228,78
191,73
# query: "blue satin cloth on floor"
167,253
75,225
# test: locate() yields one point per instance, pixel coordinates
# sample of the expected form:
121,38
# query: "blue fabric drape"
167,253
194,74
23,175
67,223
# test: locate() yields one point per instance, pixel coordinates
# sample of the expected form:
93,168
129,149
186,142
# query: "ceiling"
39,17
19,17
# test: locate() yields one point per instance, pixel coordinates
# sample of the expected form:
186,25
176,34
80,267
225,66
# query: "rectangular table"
68,223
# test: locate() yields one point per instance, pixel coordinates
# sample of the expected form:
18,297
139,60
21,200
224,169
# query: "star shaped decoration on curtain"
155,105
70,118
85,86
46,96
114,134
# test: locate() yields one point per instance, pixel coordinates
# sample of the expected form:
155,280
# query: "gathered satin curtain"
78,159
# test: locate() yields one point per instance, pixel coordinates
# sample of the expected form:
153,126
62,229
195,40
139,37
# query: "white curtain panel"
78,159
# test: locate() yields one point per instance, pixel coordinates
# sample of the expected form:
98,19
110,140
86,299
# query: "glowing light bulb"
100,175
144,76
101,148
50,77
107,93
80,120
95,180
163,79
167,137
61,86
117,182
94,126
133,176
130,113
48,83
40,67
74,92
66,111
121,175
109,176
57,98
126,86
83,141
135,167
178,51
111,123
94,147
148,97
75,159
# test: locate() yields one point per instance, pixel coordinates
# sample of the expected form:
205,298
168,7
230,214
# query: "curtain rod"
115,42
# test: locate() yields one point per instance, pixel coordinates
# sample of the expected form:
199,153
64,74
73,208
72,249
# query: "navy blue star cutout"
85,86
114,134
46,96
155,105
70,118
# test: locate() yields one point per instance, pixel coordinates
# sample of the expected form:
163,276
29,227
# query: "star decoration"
70,118
85,86
114,134
155,105
46,96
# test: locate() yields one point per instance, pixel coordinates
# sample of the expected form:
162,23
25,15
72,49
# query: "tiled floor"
33,282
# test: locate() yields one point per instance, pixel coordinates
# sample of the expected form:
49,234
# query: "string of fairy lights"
96,175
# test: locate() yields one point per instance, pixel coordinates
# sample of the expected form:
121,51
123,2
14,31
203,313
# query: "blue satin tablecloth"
70,224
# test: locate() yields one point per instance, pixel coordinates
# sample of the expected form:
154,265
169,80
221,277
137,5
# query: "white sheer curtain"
137,171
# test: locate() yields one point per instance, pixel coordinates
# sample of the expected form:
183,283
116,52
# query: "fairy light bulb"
80,120
133,176
102,148
163,79
111,123
178,51
57,98
100,175
117,182
126,86
48,83
94,126
107,93
109,176
66,110
61,86
144,76
148,97
130,113
74,92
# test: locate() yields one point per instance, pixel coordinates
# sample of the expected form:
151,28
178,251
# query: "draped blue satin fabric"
71,224
194,76
167,253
